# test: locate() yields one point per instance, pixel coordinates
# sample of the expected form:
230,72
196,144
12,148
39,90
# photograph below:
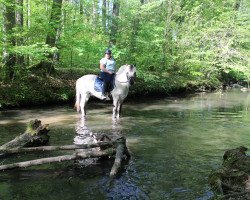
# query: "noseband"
128,79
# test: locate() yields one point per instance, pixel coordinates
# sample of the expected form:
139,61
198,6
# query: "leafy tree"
173,42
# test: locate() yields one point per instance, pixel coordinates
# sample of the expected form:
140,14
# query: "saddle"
98,85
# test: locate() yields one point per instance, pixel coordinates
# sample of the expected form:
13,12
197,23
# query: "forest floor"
33,89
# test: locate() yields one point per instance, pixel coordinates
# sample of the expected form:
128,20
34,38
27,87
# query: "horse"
85,87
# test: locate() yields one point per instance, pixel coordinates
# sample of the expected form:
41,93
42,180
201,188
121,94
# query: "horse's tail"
78,98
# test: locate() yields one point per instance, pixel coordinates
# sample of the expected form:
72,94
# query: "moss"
231,176
32,127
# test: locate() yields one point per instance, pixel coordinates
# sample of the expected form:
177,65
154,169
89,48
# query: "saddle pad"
98,84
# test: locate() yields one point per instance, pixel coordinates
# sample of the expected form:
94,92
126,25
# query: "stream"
175,143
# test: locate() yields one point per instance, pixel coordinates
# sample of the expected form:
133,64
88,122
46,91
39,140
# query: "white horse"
124,78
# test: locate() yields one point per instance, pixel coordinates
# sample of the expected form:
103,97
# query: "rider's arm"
103,68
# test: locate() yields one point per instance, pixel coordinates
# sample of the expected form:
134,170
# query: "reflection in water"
174,143
84,134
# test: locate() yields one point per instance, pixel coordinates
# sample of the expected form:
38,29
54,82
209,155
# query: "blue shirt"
108,63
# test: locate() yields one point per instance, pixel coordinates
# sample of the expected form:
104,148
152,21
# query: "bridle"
128,79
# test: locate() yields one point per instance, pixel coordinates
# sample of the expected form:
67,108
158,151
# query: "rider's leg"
104,88
106,81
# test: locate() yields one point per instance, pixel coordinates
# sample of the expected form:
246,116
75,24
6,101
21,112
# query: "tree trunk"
19,14
46,6
104,16
81,7
95,15
19,23
86,10
134,34
54,22
114,23
28,22
54,35
28,25
237,5
108,14
9,58
167,33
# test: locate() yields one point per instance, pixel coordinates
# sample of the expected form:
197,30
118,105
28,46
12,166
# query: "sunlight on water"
174,143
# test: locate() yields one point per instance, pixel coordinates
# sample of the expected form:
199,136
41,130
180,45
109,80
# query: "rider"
107,67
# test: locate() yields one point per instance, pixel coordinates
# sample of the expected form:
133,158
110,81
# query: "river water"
174,143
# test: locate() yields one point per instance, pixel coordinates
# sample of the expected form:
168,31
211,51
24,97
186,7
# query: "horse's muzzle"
132,81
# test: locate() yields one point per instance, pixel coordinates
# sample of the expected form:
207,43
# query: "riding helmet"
108,51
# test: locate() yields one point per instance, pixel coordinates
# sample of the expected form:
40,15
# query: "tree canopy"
172,42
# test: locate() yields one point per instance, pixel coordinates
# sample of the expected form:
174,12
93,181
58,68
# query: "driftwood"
36,134
79,155
120,153
232,179
103,147
56,148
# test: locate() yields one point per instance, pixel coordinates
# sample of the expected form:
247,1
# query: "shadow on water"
174,143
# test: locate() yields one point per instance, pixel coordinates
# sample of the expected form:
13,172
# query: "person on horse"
107,67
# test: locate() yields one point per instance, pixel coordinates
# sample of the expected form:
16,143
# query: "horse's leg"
115,104
78,99
82,105
84,100
119,109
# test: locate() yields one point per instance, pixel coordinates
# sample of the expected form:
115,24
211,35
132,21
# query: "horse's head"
131,73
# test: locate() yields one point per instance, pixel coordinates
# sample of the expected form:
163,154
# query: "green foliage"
174,44
38,51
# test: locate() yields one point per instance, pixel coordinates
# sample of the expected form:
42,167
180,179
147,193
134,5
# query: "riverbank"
33,89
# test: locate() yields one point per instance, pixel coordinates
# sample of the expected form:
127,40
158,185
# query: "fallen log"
56,148
36,134
78,155
103,147
120,152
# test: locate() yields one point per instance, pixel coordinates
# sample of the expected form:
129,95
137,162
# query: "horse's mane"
121,69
